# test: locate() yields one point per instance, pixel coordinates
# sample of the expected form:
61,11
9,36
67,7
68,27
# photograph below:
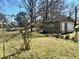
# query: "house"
64,25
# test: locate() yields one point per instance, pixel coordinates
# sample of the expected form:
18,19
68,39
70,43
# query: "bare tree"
48,9
69,9
33,9
51,9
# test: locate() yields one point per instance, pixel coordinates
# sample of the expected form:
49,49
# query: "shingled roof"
61,18
64,18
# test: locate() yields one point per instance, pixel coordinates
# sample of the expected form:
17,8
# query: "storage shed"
64,25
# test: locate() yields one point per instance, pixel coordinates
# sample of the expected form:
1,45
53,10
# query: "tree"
55,8
32,13
21,19
13,24
69,9
2,17
30,6
48,9
51,9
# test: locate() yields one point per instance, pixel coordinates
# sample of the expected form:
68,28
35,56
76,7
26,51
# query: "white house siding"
70,27
62,27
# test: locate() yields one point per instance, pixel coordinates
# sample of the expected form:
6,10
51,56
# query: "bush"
62,37
67,37
55,35
74,39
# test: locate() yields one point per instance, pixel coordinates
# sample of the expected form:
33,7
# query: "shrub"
62,37
74,39
67,37
57,36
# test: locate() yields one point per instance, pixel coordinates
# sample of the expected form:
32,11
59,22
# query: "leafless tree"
48,9
69,9
51,9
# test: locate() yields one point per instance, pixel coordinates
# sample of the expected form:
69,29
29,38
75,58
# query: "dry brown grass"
44,48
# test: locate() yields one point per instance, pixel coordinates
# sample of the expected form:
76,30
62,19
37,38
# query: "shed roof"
61,18
64,18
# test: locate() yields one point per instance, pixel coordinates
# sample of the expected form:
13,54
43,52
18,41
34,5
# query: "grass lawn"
52,48
73,34
42,47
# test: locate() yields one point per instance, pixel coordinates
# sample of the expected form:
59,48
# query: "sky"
9,8
70,1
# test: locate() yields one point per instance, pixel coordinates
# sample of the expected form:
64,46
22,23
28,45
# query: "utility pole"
75,24
46,10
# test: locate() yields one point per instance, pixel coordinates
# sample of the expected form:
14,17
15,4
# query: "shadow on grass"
18,52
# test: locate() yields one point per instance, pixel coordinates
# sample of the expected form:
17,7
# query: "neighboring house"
64,25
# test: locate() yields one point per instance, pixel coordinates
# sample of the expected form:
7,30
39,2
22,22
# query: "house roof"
64,18
61,18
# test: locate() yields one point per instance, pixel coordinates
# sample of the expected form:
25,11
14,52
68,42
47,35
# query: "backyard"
42,47
39,29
